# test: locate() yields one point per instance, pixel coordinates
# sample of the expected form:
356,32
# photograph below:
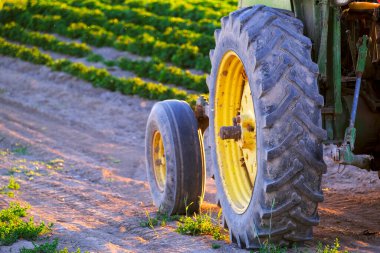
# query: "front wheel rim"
237,158
159,160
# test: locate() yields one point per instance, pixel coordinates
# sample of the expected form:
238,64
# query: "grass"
160,219
14,224
32,168
271,248
55,164
95,58
215,246
13,185
201,224
330,249
19,3
10,188
20,149
48,247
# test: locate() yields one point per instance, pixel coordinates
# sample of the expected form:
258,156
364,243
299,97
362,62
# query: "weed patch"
201,224
4,152
160,219
20,149
271,248
330,248
215,246
49,247
55,164
10,188
13,225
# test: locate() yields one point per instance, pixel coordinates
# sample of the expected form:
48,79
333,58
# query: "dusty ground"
98,194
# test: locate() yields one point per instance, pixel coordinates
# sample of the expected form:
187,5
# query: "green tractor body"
337,30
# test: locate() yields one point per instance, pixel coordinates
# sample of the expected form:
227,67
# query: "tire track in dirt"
98,200
101,195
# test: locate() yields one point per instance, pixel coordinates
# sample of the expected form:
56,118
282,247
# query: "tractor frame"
343,34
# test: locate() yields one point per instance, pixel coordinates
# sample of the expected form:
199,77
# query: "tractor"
291,82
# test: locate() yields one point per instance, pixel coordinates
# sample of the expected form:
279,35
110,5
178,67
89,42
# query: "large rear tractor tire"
174,158
265,127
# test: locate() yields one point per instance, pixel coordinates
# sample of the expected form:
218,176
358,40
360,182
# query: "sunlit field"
166,43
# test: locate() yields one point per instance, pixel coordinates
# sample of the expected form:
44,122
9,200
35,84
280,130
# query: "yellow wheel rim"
159,160
237,159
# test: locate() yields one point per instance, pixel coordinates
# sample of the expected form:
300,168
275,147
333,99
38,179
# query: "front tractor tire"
265,127
174,158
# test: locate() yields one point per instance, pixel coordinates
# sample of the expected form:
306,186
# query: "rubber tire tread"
185,169
283,78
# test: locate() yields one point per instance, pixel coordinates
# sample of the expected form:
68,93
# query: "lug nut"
158,162
250,128
230,133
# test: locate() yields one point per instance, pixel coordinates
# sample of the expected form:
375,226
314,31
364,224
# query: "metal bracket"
344,154
201,113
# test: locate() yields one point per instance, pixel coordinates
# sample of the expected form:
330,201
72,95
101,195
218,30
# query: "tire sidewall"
229,42
162,199
185,167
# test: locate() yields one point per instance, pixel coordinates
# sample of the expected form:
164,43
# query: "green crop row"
211,4
171,35
154,69
32,55
185,10
132,27
181,9
15,32
186,55
126,13
98,77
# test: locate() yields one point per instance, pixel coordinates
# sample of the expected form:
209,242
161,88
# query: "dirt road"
97,194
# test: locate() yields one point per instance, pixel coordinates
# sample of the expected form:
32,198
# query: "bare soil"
98,194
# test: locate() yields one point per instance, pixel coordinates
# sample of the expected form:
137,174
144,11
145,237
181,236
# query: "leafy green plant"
178,45
13,185
17,33
186,10
98,77
201,224
20,149
215,246
160,219
159,71
13,225
330,248
10,188
95,58
134,14
55,164
271,248
48,247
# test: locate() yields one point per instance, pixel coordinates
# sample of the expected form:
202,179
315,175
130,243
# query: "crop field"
78,80
174,37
